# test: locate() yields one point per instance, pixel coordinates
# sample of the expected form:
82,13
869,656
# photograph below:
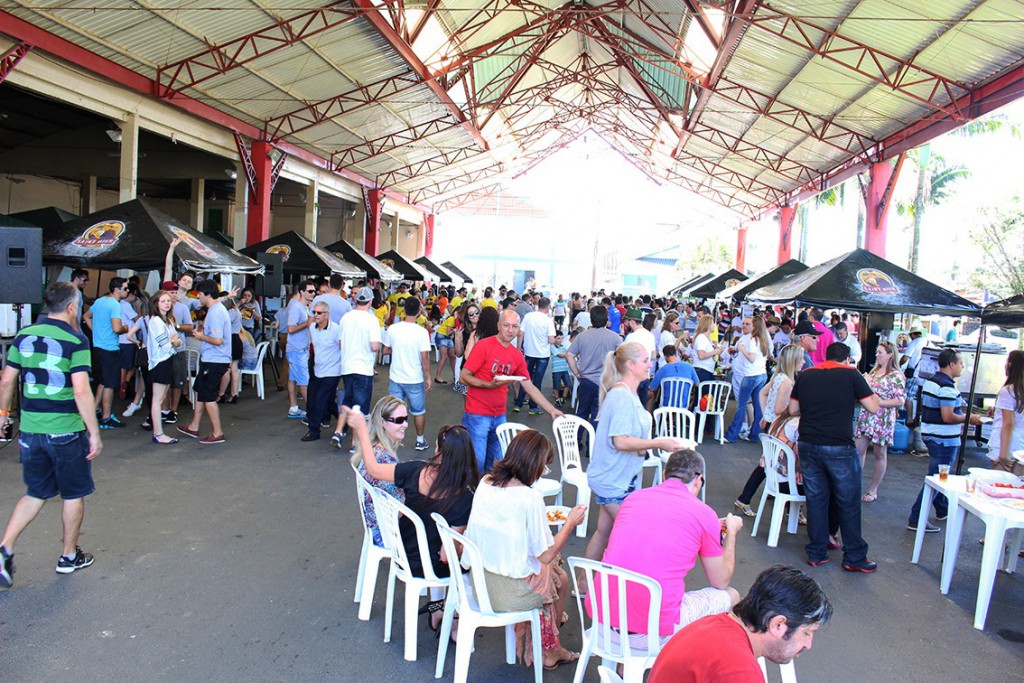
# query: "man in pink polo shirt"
661,532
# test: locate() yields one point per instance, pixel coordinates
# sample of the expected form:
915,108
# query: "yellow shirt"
455,303
713,334
447,326
398,297
489,302
382,314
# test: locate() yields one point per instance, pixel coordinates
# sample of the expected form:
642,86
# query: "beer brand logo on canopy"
194,243
283,249
874,281
731,283
100,235
390,263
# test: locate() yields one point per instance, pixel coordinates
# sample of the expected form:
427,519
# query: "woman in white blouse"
521,558
1008,426
161,345
755,349
704,350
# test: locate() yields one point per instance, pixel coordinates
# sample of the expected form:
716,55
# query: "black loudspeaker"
270,283
21,265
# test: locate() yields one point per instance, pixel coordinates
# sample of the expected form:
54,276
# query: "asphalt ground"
238,562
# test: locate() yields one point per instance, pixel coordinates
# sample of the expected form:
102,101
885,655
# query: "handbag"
142,357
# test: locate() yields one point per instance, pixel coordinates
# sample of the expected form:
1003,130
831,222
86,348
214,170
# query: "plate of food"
557,514
1013,503
509,378
988,476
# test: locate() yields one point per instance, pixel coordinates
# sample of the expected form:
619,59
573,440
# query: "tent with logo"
710,288
135,236
440,272
303,257
862,281
466,280
409,269
680,290
360,259
740,290
46,217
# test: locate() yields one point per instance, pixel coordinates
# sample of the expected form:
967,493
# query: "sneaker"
188,432
147,425
296,412
7,433
817,563
865,567
834,543
422,445
941,518
744,508
79,561
352,451
929,528
132,409
170,417
516,409
310,436
111,423
6,568
536,411
336,441
211,439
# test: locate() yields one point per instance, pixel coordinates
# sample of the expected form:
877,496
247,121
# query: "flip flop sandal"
869,498
573,657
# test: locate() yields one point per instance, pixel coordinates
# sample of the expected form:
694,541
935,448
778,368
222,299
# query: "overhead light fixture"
408,233
386,222
352,213
231,173
114,134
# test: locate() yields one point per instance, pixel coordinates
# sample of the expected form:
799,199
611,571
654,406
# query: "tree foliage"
999,235
703,257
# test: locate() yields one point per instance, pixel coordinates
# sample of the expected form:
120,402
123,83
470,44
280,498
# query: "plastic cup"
972,484
943,472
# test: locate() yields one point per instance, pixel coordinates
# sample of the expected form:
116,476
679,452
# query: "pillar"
786,216
428,235
88,198
129,165
309,226
371,233
741,249
258,218
396,232
877,208
197,205
241,207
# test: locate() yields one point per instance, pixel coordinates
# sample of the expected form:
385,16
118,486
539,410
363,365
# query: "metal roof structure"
750,103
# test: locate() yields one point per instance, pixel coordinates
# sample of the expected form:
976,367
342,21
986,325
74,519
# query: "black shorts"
163,373
236,347
127,356
179,366
207,384
109,363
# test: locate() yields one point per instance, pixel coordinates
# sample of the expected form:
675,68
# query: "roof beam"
697,12
364,151
10,58
403,48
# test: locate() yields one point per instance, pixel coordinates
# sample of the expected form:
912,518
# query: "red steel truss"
10,58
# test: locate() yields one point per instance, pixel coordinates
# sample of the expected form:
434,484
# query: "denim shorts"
601,500
55,463
412,394
298,367
442,341
560,379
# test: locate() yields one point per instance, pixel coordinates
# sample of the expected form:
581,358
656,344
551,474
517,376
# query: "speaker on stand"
269,285
21,282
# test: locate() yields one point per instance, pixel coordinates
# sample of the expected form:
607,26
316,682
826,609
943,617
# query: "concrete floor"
238,562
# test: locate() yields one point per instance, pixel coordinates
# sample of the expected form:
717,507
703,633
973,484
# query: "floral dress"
384,457
880,426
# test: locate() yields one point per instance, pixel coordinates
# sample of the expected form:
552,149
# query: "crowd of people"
794,377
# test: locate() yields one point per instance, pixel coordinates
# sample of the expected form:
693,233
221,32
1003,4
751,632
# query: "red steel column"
786,216
372,240
877,209
741,249
428,237
258,218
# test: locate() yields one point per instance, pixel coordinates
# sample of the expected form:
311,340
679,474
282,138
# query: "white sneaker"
132,409
296,412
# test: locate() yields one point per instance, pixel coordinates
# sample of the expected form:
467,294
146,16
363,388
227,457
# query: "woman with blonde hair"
755,350
388,421
888,382
704,350
623,435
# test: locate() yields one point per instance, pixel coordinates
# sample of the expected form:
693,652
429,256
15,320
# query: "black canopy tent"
467,280
679,289
711,288
303,257
135,236
407,267
47,217
442,274
862,281
740,290
359,258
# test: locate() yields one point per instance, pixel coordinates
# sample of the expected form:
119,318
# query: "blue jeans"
588,401
483,435
749,388
937,455
536,367
358,391
832,472
323,392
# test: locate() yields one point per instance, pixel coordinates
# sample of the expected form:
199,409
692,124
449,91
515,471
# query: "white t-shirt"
359,329
510,527
537,327
298,313
703,343
751,368
913,353
583,320
1005,401
645,338
407,341
779,340
326,349
854,346
665,339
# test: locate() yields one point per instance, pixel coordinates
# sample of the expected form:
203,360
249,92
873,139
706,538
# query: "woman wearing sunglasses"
443,484
468,319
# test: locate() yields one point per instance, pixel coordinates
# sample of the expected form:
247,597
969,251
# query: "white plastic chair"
475,610
191,372
506,432
774,451
608,675
676,423
369,556
675,392
787,671
567,441
257,372
388,512
635,653
718,398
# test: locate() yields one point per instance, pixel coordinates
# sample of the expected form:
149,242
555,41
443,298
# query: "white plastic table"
953,488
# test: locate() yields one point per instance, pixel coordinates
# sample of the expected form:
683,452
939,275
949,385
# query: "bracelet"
4,413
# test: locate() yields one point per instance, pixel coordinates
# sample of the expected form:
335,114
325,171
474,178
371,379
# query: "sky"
589,193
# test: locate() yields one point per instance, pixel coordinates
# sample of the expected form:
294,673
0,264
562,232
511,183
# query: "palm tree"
935,182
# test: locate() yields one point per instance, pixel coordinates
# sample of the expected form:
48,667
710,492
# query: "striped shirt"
47,354
939,391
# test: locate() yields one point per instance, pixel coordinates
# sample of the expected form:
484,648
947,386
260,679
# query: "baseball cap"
806,327
917,330
364,295
169,286
773,320
634,314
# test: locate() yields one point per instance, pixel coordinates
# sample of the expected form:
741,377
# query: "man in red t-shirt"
492,365
777,620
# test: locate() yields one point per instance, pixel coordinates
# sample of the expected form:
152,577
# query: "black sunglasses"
397,420
310,291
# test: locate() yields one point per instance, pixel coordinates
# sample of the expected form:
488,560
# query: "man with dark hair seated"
776,620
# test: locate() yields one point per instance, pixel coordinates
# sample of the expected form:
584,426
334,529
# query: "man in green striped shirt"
59,434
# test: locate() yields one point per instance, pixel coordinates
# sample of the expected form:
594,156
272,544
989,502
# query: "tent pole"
970,402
